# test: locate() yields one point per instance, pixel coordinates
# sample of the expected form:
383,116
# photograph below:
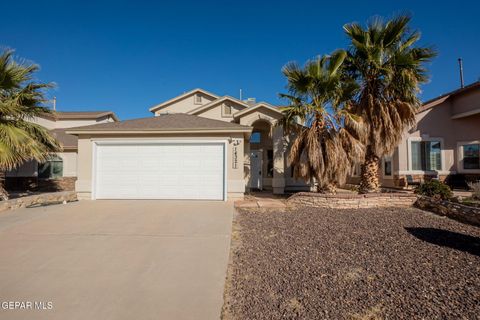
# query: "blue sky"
126,56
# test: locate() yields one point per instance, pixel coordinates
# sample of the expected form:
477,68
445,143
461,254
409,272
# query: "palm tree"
21,99
388,69
326,141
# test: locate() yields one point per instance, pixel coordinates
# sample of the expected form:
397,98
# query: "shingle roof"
68,141
166,122
79,115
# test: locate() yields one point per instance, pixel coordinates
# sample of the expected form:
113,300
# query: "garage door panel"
160,171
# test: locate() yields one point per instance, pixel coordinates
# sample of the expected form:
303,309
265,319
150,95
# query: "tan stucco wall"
282,179
235,178
69,163
184,105
437,122
30,168
466,102
216,112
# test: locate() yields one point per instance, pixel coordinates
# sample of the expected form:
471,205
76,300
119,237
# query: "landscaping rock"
352,201
454,210
382,263
38,199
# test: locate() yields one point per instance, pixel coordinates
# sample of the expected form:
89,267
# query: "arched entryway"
261,156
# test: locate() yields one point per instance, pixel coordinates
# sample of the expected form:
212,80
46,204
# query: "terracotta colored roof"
435,101
167,122
68,141
79,115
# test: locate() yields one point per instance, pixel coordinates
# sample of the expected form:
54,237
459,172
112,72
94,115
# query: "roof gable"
214,103
181,97
258,106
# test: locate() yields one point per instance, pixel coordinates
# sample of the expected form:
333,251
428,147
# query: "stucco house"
60,171
445,143
196,146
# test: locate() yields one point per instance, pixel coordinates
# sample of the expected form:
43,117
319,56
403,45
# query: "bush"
475,187
434,188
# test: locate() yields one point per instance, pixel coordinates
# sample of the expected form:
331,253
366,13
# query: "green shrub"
436,189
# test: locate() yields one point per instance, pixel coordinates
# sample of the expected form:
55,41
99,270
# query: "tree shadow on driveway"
447,238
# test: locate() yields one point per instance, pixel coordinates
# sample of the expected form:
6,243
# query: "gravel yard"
352,264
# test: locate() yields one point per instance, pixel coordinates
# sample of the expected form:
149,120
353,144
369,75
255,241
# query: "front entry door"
256,169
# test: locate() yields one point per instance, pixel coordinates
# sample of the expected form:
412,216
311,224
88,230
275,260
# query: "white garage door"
160,171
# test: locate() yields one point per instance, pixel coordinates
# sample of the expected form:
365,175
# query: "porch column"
246,165
278,181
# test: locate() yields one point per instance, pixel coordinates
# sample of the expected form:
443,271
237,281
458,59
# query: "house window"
387,167
269,163
227,109
426,155
471,156
198,99
255,137
51,169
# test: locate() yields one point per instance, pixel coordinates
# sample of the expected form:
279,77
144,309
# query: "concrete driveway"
115,260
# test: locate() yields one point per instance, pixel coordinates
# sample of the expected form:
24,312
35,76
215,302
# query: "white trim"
96,143
409,156
94,169
459,160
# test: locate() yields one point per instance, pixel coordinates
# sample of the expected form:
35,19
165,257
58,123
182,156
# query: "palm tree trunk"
3,192
330,188
369,176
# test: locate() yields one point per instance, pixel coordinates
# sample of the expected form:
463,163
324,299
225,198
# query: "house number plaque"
235,153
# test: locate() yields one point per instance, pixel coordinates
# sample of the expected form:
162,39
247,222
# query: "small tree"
21,99
326,142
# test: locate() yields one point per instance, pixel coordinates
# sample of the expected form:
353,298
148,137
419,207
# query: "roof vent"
250,101
164,113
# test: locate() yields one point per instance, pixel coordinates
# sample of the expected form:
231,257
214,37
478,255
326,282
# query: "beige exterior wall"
30,168
185,105
235,176
69,163
466,102
280,144
216,112
440,123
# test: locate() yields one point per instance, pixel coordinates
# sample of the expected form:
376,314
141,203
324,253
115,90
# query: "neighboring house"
60,171
444,144
197,146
